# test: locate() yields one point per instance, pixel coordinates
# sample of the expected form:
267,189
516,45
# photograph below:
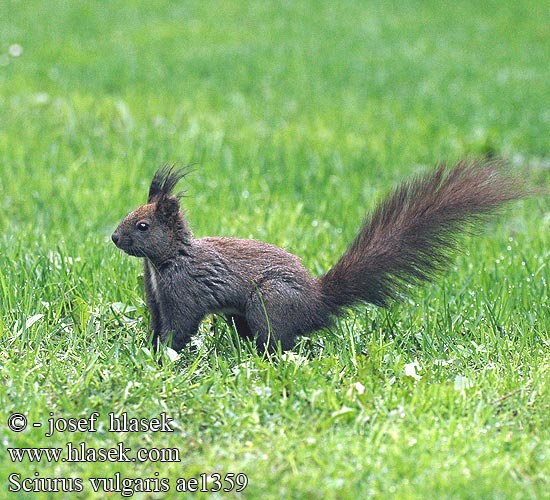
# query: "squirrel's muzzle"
125,243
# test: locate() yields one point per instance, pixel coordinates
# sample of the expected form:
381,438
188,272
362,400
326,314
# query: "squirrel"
266,293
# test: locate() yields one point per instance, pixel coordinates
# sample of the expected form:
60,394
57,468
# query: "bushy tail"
410,235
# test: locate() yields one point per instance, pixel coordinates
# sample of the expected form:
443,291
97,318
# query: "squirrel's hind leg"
271,324
261,333
240,324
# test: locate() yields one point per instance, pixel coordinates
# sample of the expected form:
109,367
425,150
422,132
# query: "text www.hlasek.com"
83,453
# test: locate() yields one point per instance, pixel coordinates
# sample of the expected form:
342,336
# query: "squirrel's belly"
228,311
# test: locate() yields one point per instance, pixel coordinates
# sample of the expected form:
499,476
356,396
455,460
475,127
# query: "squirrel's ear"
155,190
164,181
168,205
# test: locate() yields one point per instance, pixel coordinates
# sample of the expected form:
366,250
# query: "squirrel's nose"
115,238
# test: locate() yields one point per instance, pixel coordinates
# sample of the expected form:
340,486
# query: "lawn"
298,118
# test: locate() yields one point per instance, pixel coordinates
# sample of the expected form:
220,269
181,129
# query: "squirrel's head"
157,230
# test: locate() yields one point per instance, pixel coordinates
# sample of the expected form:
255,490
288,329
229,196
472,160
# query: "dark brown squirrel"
266,292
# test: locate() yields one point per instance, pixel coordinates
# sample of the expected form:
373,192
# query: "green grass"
299,116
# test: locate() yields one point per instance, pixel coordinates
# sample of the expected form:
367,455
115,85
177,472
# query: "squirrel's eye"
142,226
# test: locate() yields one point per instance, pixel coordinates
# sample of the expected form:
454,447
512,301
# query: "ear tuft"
164,181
